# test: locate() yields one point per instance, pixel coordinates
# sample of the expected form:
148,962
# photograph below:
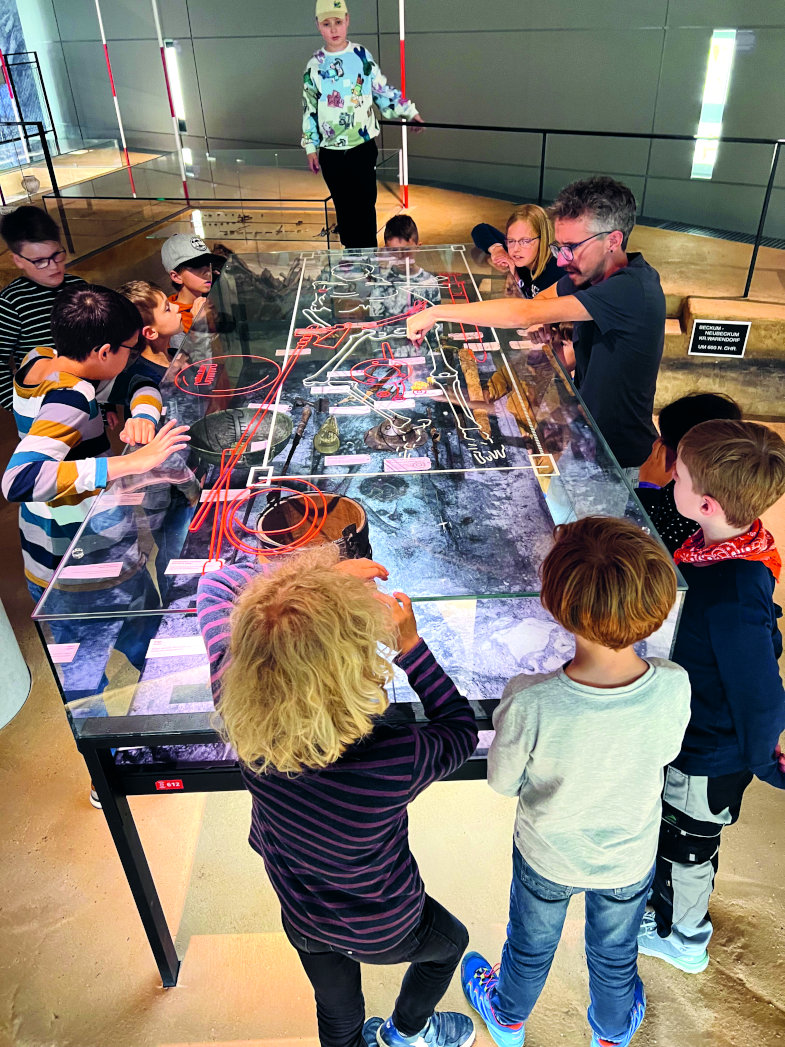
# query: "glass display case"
312,419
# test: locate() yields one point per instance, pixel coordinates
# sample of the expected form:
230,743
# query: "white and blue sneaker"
444,1029
692,961
478,979
637,1012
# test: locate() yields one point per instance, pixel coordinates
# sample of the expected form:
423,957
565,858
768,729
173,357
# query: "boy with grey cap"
189,262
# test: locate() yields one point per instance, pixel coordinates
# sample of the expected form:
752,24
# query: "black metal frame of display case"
114,783
98,736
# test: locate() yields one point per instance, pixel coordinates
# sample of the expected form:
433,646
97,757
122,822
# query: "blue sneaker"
692,961
637,1012
370,1030
444,1029
478,978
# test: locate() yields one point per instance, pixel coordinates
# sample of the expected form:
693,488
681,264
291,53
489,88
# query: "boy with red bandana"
727,473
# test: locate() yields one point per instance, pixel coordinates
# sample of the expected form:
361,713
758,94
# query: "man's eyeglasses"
44,263
567,251
524,242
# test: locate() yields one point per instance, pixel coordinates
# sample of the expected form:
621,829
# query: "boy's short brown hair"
402,227
741,465
145,296
607,581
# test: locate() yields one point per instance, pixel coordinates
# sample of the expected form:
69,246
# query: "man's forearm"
513,312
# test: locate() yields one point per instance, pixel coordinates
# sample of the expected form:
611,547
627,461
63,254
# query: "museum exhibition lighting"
715,92
197,223
175,86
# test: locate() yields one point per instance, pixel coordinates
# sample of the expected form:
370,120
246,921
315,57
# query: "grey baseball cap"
182,248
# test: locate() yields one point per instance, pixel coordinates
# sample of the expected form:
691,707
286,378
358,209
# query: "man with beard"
615,301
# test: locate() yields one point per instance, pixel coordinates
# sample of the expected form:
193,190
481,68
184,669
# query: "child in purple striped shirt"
299,682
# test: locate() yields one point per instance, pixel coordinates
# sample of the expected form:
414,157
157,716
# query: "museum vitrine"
313,418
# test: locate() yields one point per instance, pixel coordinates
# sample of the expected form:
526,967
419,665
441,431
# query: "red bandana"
755,544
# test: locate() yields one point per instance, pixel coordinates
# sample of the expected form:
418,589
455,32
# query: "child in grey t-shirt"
584,749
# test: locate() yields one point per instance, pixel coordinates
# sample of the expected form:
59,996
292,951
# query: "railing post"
46,99
542,166
69,243
764,211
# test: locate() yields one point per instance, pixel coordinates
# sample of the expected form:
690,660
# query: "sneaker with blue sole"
691,961
637,1012
478,979
444,1029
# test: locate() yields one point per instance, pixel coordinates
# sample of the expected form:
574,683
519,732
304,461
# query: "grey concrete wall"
614,65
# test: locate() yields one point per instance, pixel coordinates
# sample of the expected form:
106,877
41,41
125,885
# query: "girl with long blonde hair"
299,681
522,252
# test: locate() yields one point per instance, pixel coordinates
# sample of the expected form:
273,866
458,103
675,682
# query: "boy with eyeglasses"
63,457
617,306
26,304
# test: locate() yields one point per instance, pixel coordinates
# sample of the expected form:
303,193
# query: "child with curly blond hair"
299,683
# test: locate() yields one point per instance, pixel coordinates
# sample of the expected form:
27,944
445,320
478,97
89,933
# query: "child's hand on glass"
366,570
403,619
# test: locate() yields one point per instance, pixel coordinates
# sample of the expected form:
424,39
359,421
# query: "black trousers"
350,175
433,949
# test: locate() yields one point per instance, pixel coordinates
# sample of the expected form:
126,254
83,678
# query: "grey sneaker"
692,961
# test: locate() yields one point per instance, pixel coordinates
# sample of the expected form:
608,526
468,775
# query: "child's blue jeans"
538,908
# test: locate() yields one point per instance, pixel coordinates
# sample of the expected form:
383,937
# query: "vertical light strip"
715,92
404,129
114,99
15,108
175,119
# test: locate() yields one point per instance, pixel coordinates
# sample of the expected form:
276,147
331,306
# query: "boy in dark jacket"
727,473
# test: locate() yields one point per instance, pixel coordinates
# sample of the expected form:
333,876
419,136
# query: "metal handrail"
777,143
40,131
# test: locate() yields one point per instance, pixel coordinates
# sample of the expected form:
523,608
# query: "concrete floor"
75,968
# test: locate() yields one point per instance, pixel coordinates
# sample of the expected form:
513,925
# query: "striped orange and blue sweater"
60,461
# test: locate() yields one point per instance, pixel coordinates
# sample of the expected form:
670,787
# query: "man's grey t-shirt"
587,766
618,353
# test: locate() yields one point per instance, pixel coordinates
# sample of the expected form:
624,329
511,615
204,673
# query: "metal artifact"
327,439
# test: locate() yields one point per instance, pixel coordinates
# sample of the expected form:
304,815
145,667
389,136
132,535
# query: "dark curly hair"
88,317
607,203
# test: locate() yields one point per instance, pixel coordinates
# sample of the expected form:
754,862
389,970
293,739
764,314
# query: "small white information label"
92,570
62,653
258,445
270,407
347,459
122,498
350,409
176,646
407,465
393,405
231,494
321,390
304,351
193,566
